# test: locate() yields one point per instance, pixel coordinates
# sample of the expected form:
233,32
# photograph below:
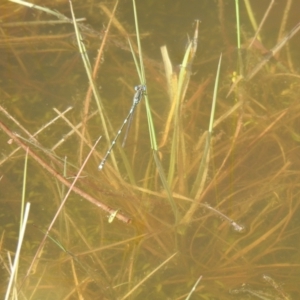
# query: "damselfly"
139,92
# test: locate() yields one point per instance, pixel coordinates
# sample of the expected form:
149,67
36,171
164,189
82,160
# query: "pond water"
190,198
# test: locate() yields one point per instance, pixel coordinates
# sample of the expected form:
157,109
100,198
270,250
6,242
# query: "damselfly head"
140,87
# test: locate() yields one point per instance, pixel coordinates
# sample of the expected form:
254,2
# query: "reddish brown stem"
62,179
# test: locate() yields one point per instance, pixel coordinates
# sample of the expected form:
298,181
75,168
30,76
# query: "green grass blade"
181,88
203,168
142,69
238,32
88,69
213,107
141,72
166,185
183,82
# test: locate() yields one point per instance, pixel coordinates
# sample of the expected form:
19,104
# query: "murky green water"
252,172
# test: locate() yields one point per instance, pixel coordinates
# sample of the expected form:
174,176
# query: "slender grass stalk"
76,282
238,32
193,289
136,62
273,52
186,66
213,107
173,80
59,210
179,94
22,215
72,131
22,209
88,70
203,168
9,116
95,72
128,167
83,54
142,69
17,255
85,60
48,11
41,8
82,138
38,23
284,19
54,173
256,35
174,114
23,190
101,283
141,72
196,191
33,135
251,15
168,70
166,185
50,153
148,276
37,285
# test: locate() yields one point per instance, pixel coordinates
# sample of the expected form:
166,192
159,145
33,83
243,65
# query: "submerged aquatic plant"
200,202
